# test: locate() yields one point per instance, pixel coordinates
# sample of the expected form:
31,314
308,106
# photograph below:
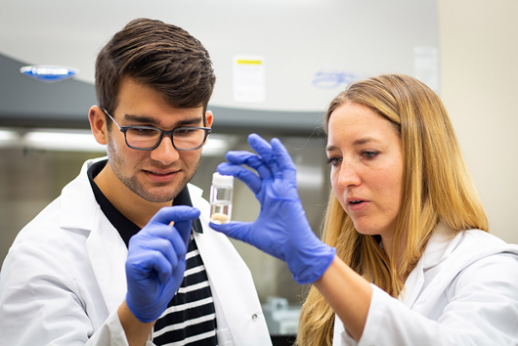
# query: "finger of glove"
142,265
284,160
264,149
178,237
251,160
181,215
176,213
236,230
249,178
171,245
166,232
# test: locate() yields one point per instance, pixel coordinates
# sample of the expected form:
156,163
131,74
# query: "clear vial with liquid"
221,192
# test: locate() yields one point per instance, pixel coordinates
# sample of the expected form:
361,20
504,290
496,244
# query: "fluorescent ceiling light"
8,135
57,140
218,145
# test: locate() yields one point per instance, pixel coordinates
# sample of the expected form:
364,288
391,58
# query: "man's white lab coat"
463,291
64,278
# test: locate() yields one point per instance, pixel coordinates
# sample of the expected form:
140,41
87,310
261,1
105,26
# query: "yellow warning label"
249,62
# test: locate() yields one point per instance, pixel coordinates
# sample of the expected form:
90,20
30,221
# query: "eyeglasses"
149,138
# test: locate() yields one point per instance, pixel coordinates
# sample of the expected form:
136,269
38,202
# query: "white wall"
478,42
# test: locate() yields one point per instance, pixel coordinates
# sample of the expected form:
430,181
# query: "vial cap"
222,180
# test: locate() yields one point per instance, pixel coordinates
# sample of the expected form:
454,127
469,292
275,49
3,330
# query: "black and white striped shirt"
190,316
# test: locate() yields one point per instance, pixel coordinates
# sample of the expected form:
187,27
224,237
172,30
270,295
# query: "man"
74,277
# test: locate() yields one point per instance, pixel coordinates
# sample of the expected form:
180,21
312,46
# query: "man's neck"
128,203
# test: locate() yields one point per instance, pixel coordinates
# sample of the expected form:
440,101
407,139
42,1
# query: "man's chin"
159,197
161,194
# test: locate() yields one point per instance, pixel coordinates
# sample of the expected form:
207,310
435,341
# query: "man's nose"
165,152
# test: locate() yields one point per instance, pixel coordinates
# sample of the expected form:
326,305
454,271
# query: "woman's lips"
161,177
357,205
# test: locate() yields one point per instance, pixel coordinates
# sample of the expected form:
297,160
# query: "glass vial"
221,192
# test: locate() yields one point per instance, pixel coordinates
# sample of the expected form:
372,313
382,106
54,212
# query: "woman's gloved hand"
281,229
156,261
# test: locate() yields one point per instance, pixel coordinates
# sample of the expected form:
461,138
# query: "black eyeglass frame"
123,129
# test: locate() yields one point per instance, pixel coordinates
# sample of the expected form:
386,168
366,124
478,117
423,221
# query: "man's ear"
98,124
210,117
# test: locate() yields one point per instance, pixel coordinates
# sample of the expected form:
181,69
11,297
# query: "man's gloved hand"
156,261
281,229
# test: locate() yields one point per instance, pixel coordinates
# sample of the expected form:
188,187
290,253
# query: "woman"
414,263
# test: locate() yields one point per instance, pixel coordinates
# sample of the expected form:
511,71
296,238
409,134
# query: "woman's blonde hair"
436,187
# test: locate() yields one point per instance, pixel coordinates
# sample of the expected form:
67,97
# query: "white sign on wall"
249,83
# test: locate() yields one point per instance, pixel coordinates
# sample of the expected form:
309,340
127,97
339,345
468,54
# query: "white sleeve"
42,304
482,310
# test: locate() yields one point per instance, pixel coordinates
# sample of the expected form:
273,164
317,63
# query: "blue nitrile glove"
156,261
281,229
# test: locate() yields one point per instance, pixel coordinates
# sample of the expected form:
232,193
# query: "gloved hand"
156,261
281,229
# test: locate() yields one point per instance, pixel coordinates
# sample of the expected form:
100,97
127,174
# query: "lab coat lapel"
438,248
220,264
106,250
79,204
223,266
108,253
413,285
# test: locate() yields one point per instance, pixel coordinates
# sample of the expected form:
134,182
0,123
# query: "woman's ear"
98,124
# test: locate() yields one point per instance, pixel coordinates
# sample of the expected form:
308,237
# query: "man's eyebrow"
152,121
141,119
193,121
359,141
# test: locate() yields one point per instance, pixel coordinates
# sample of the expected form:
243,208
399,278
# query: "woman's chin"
366,229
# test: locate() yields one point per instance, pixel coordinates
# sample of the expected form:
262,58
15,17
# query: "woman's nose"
348,175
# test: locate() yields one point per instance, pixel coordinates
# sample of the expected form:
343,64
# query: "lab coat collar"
441,244
78,213
184,198
195,193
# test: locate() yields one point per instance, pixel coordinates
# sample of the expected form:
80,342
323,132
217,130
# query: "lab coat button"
254,317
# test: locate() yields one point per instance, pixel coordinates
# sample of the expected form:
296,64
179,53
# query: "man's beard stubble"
117,164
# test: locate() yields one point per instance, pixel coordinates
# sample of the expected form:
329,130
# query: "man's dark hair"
159,55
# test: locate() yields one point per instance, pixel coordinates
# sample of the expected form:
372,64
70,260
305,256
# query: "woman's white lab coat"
463,291
64,278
